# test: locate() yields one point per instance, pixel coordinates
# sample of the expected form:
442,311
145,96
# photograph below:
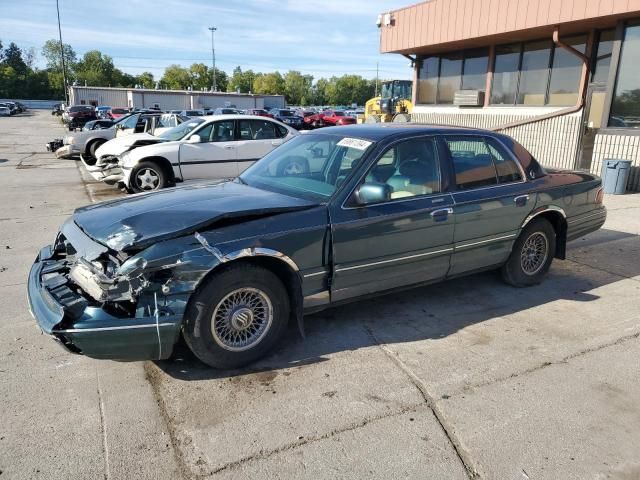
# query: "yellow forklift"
393,104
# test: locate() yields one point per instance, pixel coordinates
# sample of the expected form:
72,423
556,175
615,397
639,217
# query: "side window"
506,167
257,130
472,162
130,122
223,131
410,168
281,131
205,133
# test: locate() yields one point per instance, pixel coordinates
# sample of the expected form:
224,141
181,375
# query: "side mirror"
368,193
194,139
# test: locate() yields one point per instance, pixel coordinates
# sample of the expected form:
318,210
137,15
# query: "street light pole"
64,69
213,57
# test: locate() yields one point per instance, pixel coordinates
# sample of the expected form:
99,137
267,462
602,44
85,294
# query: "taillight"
600,195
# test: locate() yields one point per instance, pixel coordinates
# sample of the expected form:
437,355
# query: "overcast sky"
319,37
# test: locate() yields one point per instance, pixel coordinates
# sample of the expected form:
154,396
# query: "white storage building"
169,99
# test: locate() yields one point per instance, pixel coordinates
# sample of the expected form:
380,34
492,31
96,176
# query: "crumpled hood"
119,145
138,221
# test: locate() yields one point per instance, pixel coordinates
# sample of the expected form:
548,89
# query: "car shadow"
429,312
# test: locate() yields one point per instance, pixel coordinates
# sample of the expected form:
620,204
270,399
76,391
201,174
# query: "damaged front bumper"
67,151
107,170
84,327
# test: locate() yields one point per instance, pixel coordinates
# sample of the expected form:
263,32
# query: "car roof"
237,116
380,131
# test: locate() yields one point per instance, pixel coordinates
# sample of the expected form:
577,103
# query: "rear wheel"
148,176
236,317
532,255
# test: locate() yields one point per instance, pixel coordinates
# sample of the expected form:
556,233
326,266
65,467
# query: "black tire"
93,146
157,177
531,256
209,300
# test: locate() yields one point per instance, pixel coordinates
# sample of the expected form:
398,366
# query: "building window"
602,59
450,77
534,73
428,80
505,76
537,73
625,108
566,72
474,74
439,77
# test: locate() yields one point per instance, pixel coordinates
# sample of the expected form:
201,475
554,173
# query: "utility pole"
213,57
64,68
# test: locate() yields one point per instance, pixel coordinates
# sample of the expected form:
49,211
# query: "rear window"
472,162
119,111
81,108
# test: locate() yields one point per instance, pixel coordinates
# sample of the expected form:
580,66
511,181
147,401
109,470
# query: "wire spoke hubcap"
242,319
147,179
534,253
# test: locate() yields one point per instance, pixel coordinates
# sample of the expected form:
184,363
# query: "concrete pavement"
465,379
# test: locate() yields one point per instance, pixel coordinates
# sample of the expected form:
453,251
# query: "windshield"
176,133
309,166
286,113
397,88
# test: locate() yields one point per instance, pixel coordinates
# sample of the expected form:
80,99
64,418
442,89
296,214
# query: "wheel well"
164,164
290,279
559,223
92,142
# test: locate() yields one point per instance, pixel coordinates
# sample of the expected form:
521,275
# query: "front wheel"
532,254
236,317
147,176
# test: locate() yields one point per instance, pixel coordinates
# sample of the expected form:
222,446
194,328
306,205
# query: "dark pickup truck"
370,209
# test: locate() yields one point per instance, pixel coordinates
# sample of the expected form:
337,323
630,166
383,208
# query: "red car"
259,112
337,117
116,113
312,119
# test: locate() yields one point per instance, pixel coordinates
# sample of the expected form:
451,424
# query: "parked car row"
11,108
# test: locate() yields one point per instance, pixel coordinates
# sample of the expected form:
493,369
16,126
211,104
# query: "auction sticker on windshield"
354,143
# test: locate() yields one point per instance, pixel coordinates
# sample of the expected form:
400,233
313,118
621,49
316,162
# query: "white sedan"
222,146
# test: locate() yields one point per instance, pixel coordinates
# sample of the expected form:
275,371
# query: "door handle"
521,200
441,214
229,147
276,143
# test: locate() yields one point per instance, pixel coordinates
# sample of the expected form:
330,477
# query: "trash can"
615,174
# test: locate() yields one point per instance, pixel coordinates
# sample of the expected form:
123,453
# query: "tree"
175,77
297,88
200,76
13,59
51,52
241,81
145,80
269,84
96,69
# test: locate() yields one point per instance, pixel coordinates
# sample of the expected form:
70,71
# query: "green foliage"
269,84
241,81
145,80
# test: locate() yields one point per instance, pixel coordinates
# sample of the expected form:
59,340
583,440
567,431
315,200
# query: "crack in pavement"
602,270
153,377
103,427
449,430
563,360
264,454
